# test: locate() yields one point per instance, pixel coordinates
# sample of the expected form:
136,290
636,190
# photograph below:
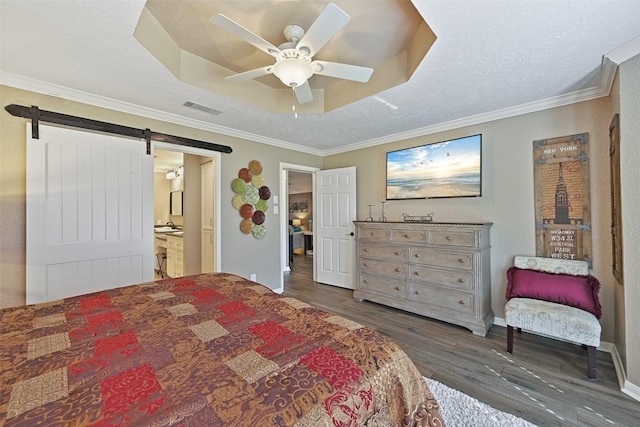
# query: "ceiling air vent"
202,108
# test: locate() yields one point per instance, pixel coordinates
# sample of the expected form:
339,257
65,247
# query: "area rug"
461,410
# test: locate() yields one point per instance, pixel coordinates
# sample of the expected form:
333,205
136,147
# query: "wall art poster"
562,198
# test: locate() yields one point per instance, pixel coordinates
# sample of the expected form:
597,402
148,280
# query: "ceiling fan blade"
326,25
234,28
303,93
251,74
342,71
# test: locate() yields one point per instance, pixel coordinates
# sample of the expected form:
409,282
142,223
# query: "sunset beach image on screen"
442,169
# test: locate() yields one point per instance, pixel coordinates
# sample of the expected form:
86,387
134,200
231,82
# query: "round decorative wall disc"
257,181
255,167
265,192
246,211
238,185
250,195
258,217
246,225
259,231
245,174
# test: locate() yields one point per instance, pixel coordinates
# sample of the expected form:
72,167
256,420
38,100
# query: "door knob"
351,234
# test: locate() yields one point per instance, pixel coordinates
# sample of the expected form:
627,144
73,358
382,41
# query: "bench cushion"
554,320
576,291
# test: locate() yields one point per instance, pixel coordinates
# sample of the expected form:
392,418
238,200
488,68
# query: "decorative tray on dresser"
435,269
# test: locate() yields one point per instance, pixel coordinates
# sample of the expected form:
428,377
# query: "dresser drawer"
454,279
453,238
382,252
459,302
441,258
377,234
411,236
387,268
383,285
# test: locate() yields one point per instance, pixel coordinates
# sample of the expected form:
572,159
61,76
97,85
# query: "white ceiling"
491,59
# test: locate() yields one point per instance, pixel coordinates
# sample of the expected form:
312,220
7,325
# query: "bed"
207,350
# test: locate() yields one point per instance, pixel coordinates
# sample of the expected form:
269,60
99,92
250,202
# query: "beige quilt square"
162,295
209,330
252,366
185,309
37,347
38,391
48,321
295,303
342,322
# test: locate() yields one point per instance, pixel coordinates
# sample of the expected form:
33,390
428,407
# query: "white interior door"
207,206
89,213
334,246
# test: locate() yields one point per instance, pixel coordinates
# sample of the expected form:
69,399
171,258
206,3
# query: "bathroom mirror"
175,203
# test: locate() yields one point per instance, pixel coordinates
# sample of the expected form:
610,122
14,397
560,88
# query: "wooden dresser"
439,270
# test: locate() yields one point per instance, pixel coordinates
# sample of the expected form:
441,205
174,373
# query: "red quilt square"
121,342
134,390
207,295
269,331
233,307
95,302
112,319
336,369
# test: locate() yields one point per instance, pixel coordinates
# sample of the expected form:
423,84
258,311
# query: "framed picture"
562,198
299,206
616,213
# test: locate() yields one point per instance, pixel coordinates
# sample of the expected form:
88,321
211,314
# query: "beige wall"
507,181
241,254
630,176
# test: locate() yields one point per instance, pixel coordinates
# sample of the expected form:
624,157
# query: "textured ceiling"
491,59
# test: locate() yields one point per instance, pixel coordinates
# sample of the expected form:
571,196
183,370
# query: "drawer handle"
397,288
461,302
461,280
397,270
371,233
415,273
417,292
460,260
416,255
365,281
366,250
406,236
449,238
397,253
365,264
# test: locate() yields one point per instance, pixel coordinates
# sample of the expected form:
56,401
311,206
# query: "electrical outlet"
253,277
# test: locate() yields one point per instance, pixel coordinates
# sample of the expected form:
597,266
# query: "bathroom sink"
177,233
165,230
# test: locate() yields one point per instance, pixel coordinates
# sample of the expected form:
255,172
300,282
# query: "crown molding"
607,73
20,82
625,51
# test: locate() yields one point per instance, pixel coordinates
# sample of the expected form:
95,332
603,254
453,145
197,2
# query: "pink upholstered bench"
562,305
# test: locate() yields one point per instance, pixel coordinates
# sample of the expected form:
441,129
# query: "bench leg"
509,339
591,362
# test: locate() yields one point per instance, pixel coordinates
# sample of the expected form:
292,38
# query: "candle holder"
383,218
370,217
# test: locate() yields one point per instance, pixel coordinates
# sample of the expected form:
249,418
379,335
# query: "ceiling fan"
294,64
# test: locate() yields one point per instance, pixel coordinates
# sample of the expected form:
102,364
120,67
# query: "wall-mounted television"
442,169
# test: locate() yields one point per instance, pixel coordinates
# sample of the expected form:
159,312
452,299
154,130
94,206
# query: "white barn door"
89,213
334,246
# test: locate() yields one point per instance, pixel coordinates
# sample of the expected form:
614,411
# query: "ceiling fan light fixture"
292,72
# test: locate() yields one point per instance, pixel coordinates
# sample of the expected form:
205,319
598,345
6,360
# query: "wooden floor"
544,381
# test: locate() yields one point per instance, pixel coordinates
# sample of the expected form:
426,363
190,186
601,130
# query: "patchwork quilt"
205,350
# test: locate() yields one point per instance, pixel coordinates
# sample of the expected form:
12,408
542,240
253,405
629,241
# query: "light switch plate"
275,200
